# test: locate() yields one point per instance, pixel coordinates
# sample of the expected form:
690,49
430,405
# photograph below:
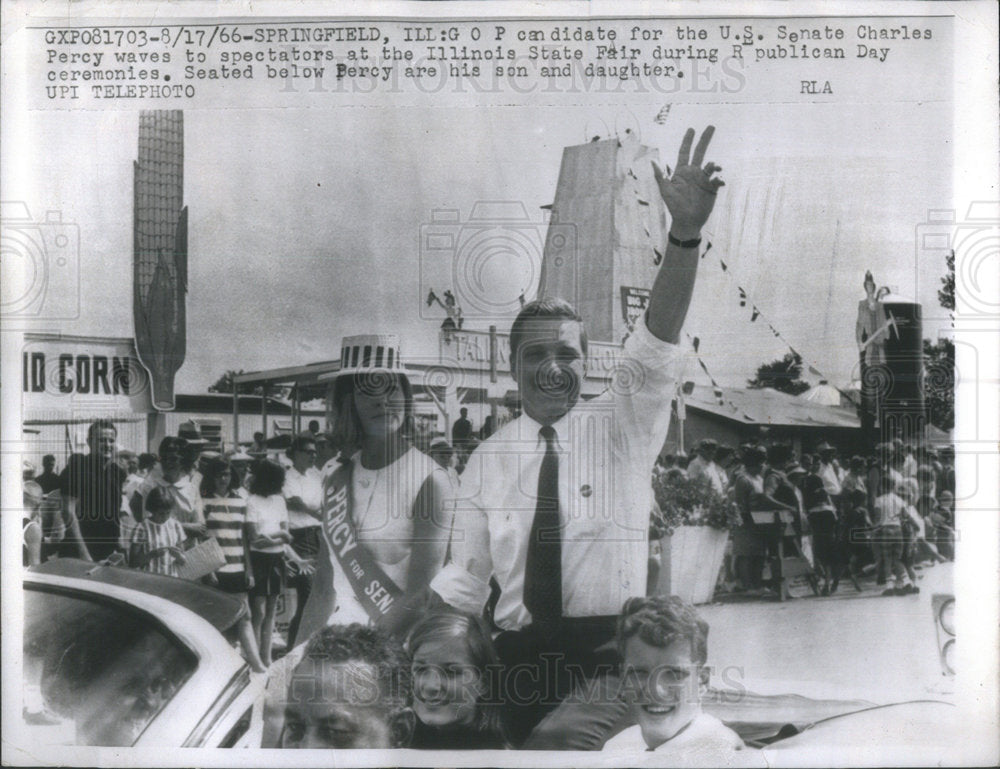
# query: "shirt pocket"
590,510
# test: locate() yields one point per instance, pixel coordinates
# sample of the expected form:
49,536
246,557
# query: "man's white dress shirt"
308,487
607,447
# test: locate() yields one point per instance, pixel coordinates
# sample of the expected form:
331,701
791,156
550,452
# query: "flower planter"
690,561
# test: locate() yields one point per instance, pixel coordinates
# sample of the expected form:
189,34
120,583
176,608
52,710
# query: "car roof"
217,608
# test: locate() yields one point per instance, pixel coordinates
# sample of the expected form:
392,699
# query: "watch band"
693,243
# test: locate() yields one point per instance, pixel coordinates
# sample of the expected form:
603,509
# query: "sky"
305,224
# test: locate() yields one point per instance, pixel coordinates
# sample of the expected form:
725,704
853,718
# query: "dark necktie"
543,569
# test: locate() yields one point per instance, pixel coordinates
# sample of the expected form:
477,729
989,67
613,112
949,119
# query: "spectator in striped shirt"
157,539
225,518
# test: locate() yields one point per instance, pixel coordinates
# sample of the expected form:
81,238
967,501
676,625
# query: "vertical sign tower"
160,251
607,193
901,409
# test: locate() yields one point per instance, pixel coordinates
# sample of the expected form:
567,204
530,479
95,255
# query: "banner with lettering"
634,302
374,589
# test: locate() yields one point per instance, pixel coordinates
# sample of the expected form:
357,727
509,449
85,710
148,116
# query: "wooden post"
493,354
236,417
681,415
263,409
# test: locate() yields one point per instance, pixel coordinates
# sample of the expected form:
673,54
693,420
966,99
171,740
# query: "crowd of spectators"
885,513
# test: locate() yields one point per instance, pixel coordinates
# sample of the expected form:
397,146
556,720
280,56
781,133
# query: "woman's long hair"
445,624
347,432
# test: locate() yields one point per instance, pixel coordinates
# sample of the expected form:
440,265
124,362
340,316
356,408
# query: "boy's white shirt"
704,736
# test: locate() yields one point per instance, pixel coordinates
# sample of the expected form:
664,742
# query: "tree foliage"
939,383
939,361
946,294
224,384
782,375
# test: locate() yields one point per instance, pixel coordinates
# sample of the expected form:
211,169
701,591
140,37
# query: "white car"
116,657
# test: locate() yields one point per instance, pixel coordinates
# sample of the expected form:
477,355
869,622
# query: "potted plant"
692,523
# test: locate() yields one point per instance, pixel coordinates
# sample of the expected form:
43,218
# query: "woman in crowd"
267,531
225,517
453,666
822,515
174,481
382,497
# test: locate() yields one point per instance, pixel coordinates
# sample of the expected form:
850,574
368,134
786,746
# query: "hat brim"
332,376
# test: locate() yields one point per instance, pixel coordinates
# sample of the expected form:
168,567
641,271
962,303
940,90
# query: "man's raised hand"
691,190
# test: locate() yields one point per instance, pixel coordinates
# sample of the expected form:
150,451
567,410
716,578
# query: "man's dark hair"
100,424
540,310
300,442
313,425
268,478
463,411
48,459
258,433
147,461
660,620
343,643
172,445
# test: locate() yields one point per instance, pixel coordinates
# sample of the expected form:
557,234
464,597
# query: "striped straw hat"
368,353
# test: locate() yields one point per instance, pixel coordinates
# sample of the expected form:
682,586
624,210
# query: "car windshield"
96,672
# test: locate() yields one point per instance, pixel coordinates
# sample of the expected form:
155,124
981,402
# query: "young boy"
887,538
157,539
663,644
352,689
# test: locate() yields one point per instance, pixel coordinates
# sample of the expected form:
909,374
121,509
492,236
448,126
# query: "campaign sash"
374,589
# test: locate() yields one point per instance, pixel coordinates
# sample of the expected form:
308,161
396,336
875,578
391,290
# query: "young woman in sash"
383,534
